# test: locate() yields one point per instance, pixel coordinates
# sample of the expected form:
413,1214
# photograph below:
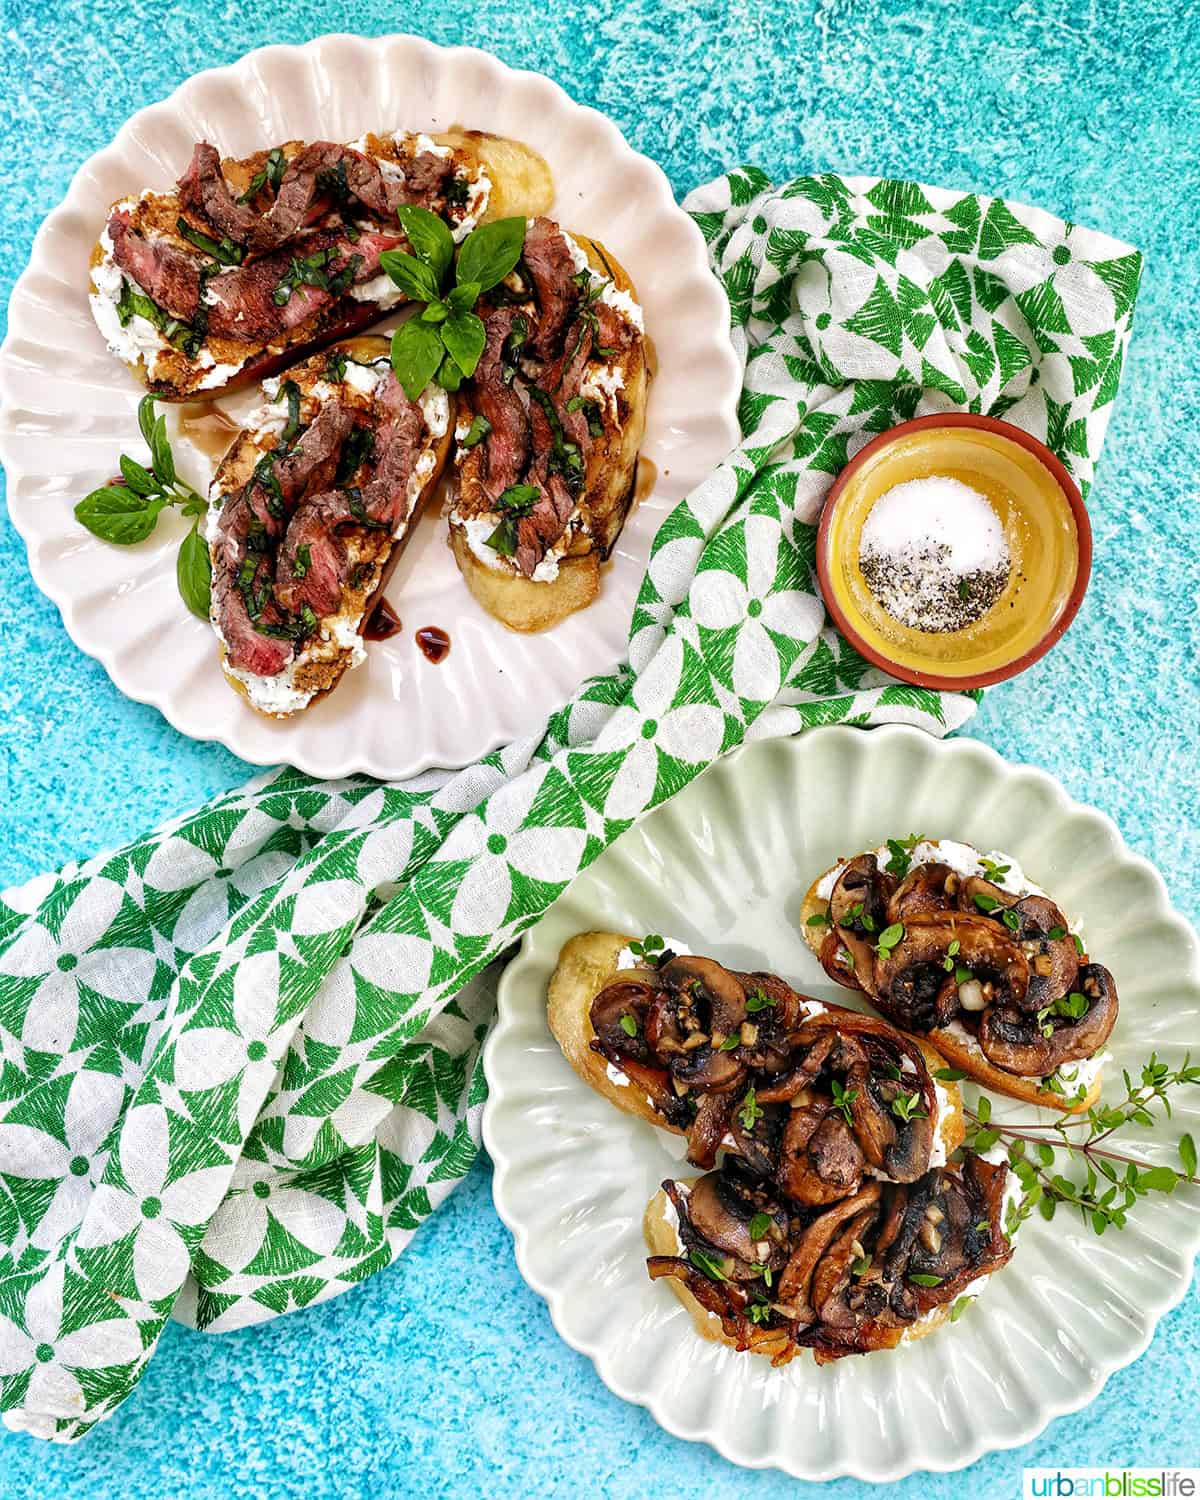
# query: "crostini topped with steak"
250,264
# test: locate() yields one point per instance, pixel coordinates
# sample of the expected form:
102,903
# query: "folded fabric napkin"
238,1064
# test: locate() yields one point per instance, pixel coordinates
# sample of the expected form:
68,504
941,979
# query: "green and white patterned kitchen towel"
234,1073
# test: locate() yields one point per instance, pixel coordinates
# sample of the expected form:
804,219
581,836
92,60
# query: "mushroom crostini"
961,949
842,1215
885,1263
815,1099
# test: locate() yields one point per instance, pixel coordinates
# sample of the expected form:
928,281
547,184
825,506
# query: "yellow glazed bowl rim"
1071,499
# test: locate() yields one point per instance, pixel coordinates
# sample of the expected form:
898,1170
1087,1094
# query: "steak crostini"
549,430
249,265
308,513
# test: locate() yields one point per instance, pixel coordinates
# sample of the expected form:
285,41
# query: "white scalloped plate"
67,408
724,867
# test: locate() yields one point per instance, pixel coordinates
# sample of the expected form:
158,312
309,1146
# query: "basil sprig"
444,341
126,510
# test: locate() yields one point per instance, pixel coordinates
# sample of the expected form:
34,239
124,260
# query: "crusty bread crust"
588,962
961,1052
661,1239
521,184
519,602
605,498
322,674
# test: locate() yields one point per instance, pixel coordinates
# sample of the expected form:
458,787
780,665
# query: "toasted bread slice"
178,360
955,1043
335,644
615,386
588,962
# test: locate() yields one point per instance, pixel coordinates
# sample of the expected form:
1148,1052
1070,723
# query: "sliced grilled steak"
561,443
250,649
204,189
507,444
168,276
242,302
426,176
313,562
550,265
250,522
322,175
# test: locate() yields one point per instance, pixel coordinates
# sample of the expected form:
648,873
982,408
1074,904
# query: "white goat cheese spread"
961,858
601,383
478,529
138,339
623,302
628,959
366,379
381,289
435,408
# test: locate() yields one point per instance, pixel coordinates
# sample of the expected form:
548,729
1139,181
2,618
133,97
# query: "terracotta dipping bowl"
1045,524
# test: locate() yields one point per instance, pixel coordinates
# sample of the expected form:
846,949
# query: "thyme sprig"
1112,1181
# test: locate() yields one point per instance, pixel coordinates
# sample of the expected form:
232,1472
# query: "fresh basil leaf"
463,298
435,312
504,539
139,480
118,514
160,453
193,573
416,353
146,420
480,427
414,278
490,252
431,241
449,376
465,336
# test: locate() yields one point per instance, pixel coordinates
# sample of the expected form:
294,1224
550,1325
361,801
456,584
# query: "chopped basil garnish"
480,427
273,173
223,250
515,503
356,450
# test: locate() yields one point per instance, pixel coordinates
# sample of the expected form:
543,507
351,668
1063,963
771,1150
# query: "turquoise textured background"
444,1376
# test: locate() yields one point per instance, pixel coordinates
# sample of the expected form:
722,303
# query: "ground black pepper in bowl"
934,554
923,591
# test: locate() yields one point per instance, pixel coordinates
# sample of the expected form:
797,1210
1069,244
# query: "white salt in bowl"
1045,526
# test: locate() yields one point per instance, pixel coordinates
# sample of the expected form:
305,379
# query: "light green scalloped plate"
724,868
